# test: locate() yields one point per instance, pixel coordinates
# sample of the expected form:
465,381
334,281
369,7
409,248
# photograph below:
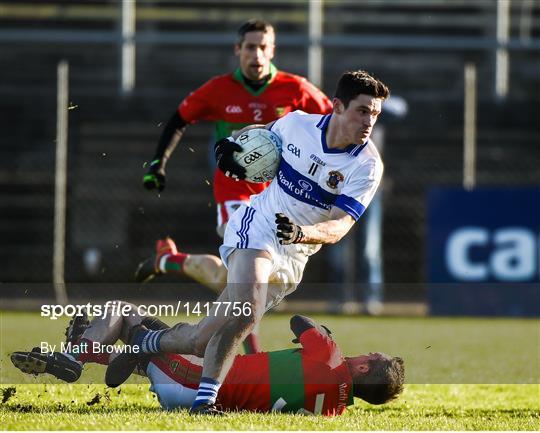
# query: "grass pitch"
462,374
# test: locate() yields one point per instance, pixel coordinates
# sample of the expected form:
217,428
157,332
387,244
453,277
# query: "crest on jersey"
280,111
334,177
174,366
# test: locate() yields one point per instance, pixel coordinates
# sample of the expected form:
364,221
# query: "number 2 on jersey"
257,115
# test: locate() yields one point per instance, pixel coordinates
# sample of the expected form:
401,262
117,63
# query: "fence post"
315,37
469,128
59,247
501,54
128,47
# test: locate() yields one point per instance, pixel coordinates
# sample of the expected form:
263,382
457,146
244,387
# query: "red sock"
175,263
252,344
84,352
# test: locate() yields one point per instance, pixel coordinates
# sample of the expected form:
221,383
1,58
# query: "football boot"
55,363
149,268
75,329
206,409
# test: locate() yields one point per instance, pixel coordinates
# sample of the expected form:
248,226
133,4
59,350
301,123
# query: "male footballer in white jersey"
328,174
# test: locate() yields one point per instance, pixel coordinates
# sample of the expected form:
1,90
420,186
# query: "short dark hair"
253,25
383,382
353,83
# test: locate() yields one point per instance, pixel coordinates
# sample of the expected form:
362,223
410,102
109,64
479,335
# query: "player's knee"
221,275
234,326
253,302
128,306
120,308
251,315
247,323
120,304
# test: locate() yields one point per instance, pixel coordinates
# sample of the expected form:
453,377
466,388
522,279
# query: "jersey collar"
237,75
352,149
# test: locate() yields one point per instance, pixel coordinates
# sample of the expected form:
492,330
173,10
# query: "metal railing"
498,19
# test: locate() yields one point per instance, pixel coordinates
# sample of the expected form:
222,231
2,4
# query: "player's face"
360,364
358,119
255,54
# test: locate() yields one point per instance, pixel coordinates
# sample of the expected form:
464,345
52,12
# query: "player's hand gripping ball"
223,151
260,155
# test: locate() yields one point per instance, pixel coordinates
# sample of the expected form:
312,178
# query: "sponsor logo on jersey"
259,105
300,192
334,177
293,149
305,185
233,109
343,396
318,160
252,157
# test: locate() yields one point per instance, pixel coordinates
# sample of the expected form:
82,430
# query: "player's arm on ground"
327,232
316,340
171,135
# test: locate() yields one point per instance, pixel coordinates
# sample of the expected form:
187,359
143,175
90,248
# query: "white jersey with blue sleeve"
312,179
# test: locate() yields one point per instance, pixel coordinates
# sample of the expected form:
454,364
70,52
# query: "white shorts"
224,211
170,393
248,228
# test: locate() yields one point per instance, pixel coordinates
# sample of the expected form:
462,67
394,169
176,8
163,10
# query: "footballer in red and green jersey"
313,379
229,102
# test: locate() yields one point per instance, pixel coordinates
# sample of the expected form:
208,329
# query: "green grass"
462,374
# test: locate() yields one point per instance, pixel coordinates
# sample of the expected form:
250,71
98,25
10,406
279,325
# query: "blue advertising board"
483,251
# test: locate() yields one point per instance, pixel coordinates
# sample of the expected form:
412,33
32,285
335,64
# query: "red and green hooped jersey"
231,104
312,379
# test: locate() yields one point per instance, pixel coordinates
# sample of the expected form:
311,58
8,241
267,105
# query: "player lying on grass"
314,379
